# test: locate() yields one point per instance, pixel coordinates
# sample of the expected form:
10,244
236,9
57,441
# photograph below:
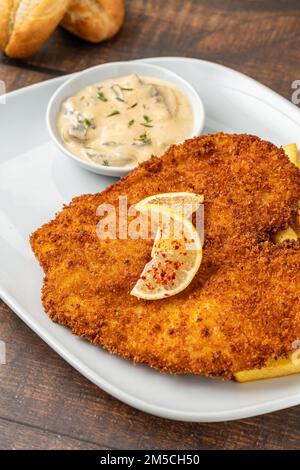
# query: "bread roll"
26,24
95,20
5,9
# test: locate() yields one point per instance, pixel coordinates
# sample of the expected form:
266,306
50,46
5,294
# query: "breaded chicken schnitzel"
250,190
246,314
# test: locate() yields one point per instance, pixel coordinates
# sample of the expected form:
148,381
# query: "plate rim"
129,399
156,410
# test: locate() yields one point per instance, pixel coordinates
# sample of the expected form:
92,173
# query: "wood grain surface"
44,403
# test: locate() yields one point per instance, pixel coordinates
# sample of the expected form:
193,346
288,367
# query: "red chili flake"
177,264
149,287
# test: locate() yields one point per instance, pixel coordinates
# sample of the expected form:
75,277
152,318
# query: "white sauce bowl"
105,72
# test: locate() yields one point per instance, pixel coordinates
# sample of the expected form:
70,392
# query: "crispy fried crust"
245,315
250,190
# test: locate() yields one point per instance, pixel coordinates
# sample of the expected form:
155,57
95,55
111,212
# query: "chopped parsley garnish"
133,106
84,124
105,163
101,96
126,89
113,113
120,99
147,121
144,139
131,123
87,123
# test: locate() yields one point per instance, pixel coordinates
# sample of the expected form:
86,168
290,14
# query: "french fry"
282,235
291,233
276,368
291,152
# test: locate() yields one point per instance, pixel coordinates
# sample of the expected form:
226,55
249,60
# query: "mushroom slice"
112,143
155,93
165,95
170,100
77,132
117,90
137,81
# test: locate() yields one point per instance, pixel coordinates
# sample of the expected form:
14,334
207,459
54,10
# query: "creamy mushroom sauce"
123,121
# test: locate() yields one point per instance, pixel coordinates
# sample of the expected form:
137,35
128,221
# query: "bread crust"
95,20
5,10
30,24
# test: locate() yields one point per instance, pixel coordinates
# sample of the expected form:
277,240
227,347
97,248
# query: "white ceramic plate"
35,180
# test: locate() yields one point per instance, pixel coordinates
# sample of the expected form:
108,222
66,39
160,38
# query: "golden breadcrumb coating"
224,321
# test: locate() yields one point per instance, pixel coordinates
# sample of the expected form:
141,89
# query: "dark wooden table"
44,403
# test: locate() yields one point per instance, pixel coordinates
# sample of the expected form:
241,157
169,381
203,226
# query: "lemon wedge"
176,255
184,203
